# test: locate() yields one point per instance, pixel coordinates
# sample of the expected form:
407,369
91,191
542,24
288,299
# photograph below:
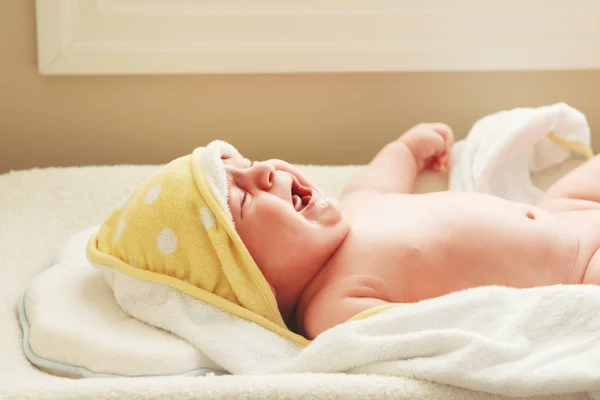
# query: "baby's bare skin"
404,248
407,248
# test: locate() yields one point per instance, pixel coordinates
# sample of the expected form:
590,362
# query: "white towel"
507,341
503,149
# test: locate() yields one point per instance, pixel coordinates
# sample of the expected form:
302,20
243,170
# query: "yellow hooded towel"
176,229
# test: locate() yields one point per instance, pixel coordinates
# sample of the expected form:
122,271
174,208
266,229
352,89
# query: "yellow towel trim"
375,310
574,146
194,291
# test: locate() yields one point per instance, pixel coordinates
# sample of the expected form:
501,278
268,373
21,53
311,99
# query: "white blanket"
502,150
498,340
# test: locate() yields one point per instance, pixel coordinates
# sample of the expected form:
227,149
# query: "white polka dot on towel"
207,217
119,231
152,194
167,241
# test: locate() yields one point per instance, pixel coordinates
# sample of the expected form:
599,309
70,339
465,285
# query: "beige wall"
52,121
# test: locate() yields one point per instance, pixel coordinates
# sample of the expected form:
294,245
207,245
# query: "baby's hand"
431,145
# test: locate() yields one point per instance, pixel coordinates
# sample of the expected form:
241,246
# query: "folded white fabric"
499,340
493,339
503,149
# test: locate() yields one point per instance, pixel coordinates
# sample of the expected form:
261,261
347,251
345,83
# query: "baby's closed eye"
243,196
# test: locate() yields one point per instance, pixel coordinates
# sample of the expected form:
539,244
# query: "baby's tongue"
297,202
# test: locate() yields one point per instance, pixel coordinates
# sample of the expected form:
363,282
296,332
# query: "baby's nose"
261,174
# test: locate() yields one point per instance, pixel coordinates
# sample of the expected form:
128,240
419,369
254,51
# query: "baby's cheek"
254,239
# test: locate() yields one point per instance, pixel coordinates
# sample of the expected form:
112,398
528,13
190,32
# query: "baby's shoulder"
335,301
324,310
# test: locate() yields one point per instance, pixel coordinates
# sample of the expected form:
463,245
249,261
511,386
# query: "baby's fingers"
444,130
446,160
435,165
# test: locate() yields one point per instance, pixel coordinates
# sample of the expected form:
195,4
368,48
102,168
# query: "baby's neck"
295,289
287,301
305,297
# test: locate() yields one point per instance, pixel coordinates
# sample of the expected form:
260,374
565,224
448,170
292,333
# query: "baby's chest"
389,237
382,260
420,258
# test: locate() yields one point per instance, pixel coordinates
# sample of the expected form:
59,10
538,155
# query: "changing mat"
125,346
73,325
196,362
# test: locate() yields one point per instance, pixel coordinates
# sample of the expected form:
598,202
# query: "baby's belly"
462,241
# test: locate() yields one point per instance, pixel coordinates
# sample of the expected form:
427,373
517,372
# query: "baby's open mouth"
300,195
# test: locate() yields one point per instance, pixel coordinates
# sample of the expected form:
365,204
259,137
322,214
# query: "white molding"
273,36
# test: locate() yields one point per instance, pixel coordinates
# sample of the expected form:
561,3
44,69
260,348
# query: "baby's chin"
325,210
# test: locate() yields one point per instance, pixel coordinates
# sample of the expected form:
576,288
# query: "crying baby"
258,239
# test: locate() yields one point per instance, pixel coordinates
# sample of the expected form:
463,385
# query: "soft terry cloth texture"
500,340
503,149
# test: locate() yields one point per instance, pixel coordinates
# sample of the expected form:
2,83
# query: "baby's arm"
395,168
